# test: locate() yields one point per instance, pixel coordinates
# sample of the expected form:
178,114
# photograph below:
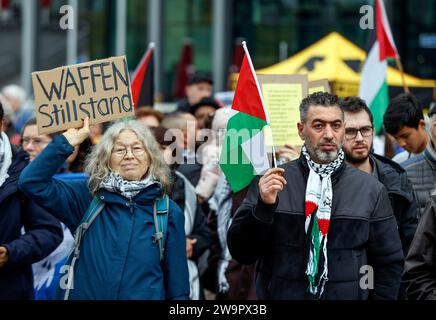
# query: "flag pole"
403,80
244,45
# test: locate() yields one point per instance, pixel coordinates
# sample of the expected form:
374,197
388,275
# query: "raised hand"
271,184
76,136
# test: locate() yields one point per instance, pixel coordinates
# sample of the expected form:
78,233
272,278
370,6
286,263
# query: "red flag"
46,3
143,80
238,56
386,43
184,70
5,4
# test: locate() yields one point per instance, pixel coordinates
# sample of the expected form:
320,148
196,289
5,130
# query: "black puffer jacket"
420,267
363,231
401,195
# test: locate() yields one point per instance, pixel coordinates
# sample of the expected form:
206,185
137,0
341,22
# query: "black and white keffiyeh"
318,207
115,183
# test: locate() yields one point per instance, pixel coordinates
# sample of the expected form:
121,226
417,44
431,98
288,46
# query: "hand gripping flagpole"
244,44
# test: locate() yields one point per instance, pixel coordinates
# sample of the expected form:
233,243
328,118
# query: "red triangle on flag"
143,81
386,46
247,98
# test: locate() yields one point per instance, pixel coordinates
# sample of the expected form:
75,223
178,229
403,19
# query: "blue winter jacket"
43,233
118,259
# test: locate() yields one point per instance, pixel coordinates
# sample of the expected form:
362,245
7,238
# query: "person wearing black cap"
199,86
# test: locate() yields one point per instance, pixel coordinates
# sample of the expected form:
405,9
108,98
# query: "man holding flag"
318,228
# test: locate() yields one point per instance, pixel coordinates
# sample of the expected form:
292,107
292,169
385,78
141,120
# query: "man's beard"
320,156
349,157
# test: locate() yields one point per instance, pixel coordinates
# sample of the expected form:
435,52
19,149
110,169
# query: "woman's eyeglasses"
122,151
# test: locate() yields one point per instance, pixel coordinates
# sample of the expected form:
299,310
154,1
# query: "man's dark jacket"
43,233
363,232
401,195
420,267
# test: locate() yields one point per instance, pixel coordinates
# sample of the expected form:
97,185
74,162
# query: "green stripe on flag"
379,105
242,121
237,168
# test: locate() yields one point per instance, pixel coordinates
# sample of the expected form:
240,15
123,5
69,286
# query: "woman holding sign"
129,237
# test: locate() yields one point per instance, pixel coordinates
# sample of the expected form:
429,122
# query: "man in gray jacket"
318,228
404,120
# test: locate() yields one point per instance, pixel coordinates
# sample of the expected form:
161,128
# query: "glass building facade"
273,29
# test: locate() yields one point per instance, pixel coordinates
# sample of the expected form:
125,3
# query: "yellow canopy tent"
339,60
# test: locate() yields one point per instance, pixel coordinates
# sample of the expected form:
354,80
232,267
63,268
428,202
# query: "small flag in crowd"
373,85
143,80
244,154
184,70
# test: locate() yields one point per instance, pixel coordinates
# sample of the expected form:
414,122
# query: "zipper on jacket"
131,203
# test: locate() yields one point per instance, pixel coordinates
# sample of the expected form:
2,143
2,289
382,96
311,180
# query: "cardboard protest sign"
65,96
319,85
282,96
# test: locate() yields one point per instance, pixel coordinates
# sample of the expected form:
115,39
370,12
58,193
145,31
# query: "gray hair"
16,92
324,99
97,162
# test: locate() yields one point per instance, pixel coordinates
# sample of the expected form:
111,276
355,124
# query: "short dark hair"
149,111
207,101
403,110
355,105
200,77
318,99
1,112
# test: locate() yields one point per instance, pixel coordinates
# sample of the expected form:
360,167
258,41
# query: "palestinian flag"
244,154
373,85
143,80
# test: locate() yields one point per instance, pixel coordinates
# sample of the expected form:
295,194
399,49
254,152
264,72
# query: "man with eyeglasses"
314,225
358,143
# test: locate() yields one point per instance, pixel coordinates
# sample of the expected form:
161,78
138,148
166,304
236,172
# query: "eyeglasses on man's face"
351,133
121,151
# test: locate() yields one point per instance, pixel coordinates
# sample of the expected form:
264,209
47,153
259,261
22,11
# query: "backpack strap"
91,213
160,216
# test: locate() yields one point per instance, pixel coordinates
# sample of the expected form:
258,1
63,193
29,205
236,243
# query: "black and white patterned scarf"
115,183
318,207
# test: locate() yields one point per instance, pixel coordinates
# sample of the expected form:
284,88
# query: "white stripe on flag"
373,75
256,152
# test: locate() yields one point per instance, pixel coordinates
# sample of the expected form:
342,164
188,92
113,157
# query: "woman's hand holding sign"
76,136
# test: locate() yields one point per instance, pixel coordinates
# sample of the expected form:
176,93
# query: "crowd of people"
140,209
